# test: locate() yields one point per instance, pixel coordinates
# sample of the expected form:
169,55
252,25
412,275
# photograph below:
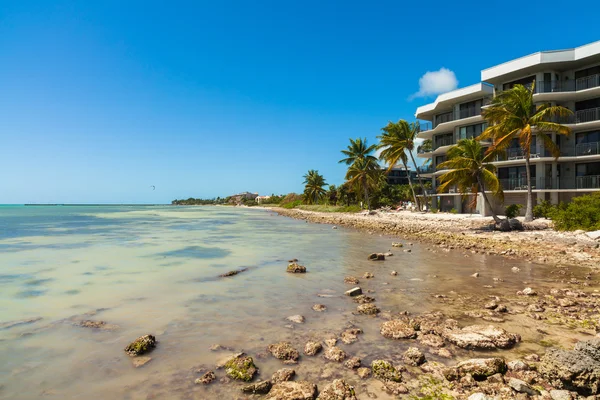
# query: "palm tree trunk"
529,209
410,183
366,194
486,200
420,180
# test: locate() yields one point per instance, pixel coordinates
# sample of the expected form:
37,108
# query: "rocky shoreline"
536,243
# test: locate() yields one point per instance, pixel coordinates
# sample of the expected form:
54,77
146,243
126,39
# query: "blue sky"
101,99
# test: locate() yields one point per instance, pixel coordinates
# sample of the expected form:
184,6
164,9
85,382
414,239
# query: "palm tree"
358,150
406,137
511,115
364,174
314,186
332,195
392,142
472,172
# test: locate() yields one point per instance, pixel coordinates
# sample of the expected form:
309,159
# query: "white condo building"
569,78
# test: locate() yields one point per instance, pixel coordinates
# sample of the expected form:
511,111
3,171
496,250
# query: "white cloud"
436,82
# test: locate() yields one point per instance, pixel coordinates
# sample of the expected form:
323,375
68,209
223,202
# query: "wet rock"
501,308
475,275
444,353
283,375
319,307
338,390
354,292
393,273
376,257
413,356
385,371
590,347
11,324
368,275
363,372
567,302
206,378
431,340
535,308
397,329
141,345
363,299
522,387
527,292
262,387
330,342
349,335
515,269
481,337
480,396
351,279
367,309
293,390
312,348
284,351
92,324
394,388
478,368
140,361
492,305
334,353
218,347
517,365
560,395
572,370
397,244
240,367
353,363
232,273
298,319
295,268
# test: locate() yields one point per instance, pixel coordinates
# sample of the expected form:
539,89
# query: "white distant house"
260,199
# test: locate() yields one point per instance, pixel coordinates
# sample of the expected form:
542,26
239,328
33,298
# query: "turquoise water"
155,270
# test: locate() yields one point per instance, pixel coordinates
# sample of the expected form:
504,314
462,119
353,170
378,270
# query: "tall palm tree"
364,174
332,195
358,150
314,186
392,142
512,114
472,172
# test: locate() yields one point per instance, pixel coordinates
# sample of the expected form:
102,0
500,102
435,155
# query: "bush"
581,213
544,209
290,205
453,211
290,198
513,210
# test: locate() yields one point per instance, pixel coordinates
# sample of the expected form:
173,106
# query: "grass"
329,209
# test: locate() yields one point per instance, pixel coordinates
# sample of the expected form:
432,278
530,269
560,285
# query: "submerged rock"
478,368
283,375
262,387
398,329
319,307
241,367
349,335
295,268
363,373
206,378
312,348
353,363
334,353
363,299
367,309
232,273
293,390
141,345
481,337
338,390
298,319
376,257
141,361
351,279
368,275
385,371
413,356
284,351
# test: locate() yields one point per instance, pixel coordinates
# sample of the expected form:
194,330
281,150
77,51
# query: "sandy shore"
538,243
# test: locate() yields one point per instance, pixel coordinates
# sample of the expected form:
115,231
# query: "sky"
100,100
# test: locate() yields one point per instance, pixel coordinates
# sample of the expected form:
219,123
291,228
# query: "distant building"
260,199
238,198
399,176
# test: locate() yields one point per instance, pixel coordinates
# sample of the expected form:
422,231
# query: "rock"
480,396
330,342
353,363
492,305
284,351
368,275
293,390
532,358
367,309
10,324
413,356
481,337
363,373
141,361
385,371
298,319
319,307
351,279
294,268
141,345
232,273
590,348
397,329
515,269
535,308
353,292
517,365
478,368
334,353
431,340
572,370
397,244
349,335
594,235
567,303
560,395
376,257
241,367
522,387
475,275
393,273
262,387
334,227
206,378
338,390
527,292
312,348
283,375
218,347
408,251
363,299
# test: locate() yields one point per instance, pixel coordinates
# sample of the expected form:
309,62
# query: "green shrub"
453,211
290,205
581,213
512,211
543,210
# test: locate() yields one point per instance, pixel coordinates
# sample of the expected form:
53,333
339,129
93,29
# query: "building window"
471,131
523,81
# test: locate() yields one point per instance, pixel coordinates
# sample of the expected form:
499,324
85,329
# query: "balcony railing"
424,126
587,82
588,182
547,183
587,149
445,141
517,154
581,116
426,169
518,183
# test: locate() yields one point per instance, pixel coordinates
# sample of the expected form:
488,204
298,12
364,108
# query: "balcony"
581,116
547,183
426,169
518,184
587,149
444,141
454,115
584,83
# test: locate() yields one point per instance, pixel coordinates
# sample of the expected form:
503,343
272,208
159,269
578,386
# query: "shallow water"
155,270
